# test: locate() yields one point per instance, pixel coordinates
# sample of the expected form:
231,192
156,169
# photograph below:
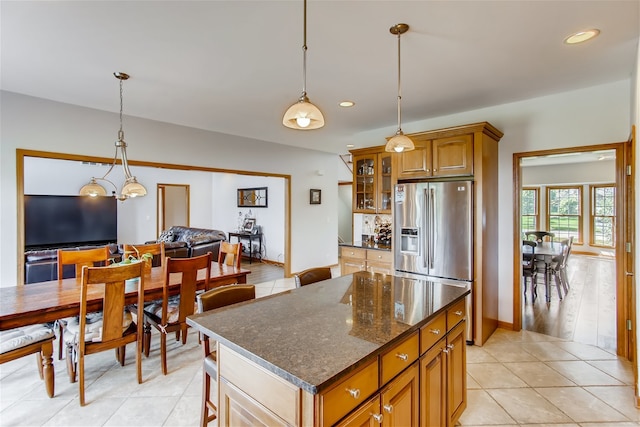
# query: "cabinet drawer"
348,252
349,393
432,332
455,314
380,256
398,358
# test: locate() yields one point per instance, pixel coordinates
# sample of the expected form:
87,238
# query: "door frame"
625,306
161,205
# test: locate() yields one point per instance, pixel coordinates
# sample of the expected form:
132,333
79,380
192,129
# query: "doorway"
173,206
622,295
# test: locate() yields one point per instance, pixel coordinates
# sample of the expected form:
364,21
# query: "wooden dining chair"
210,300
79,258
170,313
540,236
529,268
312,275
230,254
557,269
19,342
116,329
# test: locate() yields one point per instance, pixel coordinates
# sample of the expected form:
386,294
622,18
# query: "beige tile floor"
515,379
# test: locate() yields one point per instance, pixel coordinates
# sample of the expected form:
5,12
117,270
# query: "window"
564,212
603,212
529,214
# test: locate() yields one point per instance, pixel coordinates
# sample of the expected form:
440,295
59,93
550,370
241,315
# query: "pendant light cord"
399,89
304,51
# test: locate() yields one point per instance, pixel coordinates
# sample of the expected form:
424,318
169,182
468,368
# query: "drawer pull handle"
435,331
354,392
445,350
377,417
388,408
450,346
458,313
402,356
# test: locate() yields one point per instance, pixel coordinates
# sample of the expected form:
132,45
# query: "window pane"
603,231
528,223
528,201
564,226
564,201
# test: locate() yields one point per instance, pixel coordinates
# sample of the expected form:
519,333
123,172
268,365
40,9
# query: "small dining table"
48,301
545,251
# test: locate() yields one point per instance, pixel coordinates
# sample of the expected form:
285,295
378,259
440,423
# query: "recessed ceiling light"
347,104
350,145
582,36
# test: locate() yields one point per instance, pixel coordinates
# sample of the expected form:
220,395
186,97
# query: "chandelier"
131,187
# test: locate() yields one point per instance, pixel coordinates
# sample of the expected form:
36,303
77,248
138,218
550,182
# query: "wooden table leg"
47,368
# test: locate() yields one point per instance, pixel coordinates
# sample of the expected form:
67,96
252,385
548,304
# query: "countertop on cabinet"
363,245
314,335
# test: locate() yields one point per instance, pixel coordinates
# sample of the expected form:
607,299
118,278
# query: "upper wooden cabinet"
372,181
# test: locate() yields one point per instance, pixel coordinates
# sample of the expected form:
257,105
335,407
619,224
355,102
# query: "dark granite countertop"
314,335
367,245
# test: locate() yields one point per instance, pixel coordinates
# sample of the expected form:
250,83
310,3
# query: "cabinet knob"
428,170
435,170
402,356
377,417
458,313
354,392
450,346
445,350
435,331
388,408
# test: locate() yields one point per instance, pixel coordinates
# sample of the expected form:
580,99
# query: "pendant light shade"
399,142
303,115
131,187
93,189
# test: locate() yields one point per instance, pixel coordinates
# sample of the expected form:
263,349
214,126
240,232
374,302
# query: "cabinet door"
400,399
365,183
385,187
456,373
367,415
433,387
379,267
238,409
453,156
415,163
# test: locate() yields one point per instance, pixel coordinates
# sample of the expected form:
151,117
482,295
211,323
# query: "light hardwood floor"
587,314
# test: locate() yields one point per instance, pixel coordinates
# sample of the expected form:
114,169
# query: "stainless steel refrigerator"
433,228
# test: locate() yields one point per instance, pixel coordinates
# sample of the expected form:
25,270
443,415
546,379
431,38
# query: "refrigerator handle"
432,216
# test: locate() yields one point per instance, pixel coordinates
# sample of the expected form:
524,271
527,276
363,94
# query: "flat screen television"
64,221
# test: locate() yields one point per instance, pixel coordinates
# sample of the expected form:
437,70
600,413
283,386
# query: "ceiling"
236,66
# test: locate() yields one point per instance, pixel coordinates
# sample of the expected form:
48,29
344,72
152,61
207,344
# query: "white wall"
38,124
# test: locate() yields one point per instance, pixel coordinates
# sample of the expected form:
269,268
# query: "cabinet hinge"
628,324
628,170
627,247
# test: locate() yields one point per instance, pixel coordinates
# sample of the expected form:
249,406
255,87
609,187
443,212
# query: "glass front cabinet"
373,188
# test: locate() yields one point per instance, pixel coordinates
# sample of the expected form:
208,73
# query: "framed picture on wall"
315,196
249,224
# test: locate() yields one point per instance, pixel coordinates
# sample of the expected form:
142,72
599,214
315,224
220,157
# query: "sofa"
42,265
196,241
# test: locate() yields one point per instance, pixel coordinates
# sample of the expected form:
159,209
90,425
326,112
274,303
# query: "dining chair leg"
146,345
558,285
206,389
163,352
71,363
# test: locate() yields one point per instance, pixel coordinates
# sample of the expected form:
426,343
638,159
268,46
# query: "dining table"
545,251
42,302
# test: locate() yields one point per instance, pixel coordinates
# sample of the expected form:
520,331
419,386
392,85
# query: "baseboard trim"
505,325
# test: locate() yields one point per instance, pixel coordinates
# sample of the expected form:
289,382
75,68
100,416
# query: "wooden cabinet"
372,181
449,156
443,370
359,259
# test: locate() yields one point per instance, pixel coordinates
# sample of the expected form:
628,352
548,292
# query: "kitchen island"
357,347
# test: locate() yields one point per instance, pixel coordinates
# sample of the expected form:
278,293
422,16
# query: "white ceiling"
235,66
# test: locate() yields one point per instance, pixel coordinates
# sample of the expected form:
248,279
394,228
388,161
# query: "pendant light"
131,187
303,115
399,142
